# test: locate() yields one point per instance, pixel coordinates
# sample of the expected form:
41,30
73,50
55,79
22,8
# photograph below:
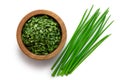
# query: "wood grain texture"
57,50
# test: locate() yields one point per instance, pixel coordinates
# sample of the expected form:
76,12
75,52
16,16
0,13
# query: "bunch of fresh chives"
83,42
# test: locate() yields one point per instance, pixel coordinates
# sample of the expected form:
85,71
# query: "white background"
103,64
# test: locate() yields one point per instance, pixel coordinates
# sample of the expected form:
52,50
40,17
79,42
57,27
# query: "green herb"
41,34
83,42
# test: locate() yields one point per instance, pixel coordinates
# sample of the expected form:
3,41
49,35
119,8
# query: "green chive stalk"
83,42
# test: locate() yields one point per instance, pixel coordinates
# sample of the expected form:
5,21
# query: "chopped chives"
41,34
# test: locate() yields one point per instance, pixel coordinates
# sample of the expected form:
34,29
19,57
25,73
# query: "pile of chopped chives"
83,42
41,34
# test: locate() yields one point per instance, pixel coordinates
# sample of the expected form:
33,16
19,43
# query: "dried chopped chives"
41,34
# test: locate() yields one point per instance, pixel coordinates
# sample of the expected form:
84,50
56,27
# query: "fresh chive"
83,42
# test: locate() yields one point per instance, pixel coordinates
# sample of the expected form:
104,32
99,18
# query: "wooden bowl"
23,47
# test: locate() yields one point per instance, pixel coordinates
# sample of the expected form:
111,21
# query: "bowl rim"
23,47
